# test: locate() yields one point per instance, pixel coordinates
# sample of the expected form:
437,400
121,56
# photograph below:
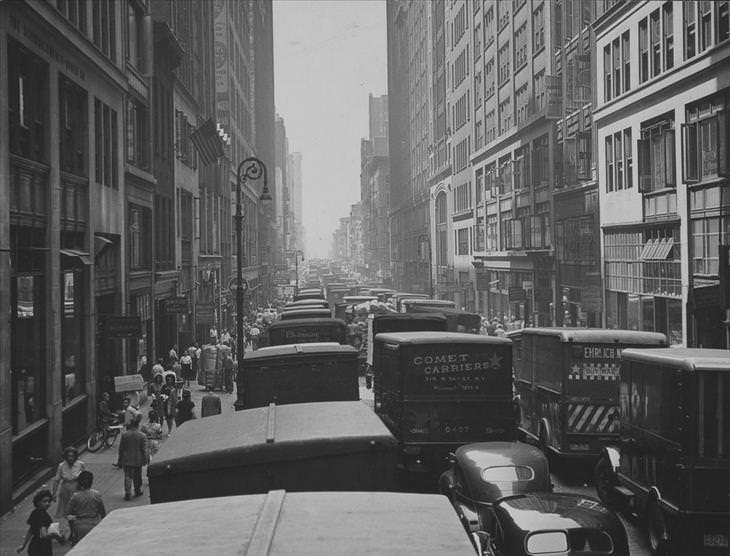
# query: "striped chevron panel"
590,418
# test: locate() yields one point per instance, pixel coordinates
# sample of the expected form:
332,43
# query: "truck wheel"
657,530
605,482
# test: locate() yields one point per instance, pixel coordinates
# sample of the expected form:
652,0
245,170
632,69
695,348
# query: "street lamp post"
250,168
430,267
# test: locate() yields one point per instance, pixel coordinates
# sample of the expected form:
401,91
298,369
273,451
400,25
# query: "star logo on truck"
495,361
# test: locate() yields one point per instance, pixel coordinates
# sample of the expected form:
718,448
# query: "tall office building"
409,139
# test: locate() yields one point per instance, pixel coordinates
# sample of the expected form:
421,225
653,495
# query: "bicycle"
105,435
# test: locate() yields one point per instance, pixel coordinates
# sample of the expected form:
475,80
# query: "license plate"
719,541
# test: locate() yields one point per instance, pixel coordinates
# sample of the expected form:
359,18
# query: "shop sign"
517,295
121,326
175,305
128,383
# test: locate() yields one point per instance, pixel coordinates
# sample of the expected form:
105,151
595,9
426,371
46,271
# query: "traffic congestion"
533,441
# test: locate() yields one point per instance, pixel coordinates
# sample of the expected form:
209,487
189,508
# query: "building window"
489,27
478,90
140,255
75,12
583,163
538,90
618,161
184,149
628,159
616,63
704,143
505,115
643,51
503,59
105,126
538,26
27,103
520,43
540,161
460,69
74,140
489,79
656,152
462,241
477,41
705,242
103,17
668,35
521,168
705,24
609,164
135,40
505,175
504,15
138,143
723,20
626,60
656,44
690,28
491,130
492,236
521,99
478,134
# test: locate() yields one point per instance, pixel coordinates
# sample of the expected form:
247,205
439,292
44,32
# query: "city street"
109,481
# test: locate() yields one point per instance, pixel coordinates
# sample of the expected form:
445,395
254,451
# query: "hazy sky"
328,55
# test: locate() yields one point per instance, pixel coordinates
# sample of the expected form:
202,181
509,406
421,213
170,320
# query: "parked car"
483,472
671,461
552,524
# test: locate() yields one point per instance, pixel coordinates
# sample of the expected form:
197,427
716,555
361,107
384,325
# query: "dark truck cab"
671,461
299,373
438,390
326,446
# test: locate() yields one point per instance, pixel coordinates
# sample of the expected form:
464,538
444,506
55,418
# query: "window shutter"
644,151
723,143
670,179
689,151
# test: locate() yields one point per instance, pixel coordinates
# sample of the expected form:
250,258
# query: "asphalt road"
568,480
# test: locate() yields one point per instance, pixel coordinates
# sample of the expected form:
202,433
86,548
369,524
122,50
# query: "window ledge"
518,68
538,51
30,429
75,401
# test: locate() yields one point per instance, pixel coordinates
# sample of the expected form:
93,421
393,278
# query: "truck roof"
428,337
296,350
315,322
595,335
688,359
273,433
281,523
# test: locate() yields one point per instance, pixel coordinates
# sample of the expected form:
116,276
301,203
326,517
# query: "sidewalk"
107,479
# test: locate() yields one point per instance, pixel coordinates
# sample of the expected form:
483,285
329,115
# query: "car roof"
596,335
552,510
311,311
314,321
688,359
428,337
297,350
274,433
476,457
282,523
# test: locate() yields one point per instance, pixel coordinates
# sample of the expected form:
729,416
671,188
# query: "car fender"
468,516
613,455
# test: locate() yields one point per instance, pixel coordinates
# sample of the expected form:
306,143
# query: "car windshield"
508,474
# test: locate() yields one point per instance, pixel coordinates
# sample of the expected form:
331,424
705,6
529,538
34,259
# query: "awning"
657,249
79,256
100,243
